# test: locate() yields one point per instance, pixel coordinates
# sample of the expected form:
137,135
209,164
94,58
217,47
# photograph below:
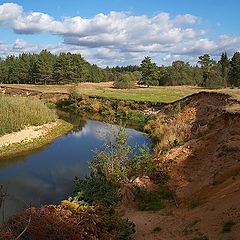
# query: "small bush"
227,227
124,81
96,188
73,94
157,229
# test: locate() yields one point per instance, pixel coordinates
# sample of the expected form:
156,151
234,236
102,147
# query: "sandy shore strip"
26,135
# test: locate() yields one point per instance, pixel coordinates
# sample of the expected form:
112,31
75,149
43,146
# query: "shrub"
73,94
69,220
96,188
116,162
227,227
124,81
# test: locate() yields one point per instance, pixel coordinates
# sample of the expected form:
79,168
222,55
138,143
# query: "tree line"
207,73
47,68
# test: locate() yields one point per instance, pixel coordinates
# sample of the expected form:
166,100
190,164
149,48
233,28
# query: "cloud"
116,37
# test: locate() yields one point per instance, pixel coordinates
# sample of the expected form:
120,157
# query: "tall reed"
17,113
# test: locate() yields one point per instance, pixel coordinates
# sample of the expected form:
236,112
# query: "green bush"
116,162
96,188
227,227
124,81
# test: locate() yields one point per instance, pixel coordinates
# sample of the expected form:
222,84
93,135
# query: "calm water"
46,176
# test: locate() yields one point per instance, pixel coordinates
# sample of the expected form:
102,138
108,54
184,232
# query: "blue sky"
119,31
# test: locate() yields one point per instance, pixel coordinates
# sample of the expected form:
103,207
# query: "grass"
16,113
17,148
105,89
227,227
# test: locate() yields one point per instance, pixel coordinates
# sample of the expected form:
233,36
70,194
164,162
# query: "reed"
16,113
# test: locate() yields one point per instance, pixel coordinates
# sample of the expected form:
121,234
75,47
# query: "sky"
121,32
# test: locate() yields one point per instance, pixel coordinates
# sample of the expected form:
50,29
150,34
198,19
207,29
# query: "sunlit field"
139,93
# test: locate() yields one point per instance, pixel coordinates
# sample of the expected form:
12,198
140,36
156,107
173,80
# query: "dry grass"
105,89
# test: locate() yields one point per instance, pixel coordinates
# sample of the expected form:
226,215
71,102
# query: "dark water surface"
46,176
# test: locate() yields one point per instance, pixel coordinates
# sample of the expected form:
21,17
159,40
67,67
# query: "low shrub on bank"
17,113
69,220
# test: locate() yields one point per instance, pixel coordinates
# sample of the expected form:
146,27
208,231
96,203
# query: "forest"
47,68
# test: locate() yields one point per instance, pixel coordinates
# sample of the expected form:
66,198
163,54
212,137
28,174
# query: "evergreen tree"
206,64
23,68
235,70
3,72
149,72
44,67
11,62
225,65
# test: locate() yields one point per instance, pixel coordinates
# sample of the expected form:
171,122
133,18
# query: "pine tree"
235,70
44,67
149,72
225,65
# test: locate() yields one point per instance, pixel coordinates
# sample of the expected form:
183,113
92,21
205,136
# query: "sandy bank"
27,134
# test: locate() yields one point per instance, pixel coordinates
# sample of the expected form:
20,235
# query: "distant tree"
44,67
3,72
234,73
63,69
95,74
149,72
124,81
23,68
12,62
215,79
225,65
206,64
197,76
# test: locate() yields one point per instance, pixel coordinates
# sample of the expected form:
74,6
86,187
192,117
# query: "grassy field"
154,94
18,112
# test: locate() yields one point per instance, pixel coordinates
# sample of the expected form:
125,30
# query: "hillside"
204,174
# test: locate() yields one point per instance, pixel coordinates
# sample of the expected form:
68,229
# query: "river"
46,176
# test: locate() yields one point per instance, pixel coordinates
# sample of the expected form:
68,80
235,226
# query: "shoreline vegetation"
48,132
147,181
27,124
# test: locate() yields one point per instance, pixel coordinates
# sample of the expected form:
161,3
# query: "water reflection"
46,176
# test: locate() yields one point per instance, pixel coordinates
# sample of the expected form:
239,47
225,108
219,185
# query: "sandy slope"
206,171
27,134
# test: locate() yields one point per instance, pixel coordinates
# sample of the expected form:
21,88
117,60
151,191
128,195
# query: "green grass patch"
16,113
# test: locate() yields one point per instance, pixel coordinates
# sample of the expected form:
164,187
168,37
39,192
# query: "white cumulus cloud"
116,37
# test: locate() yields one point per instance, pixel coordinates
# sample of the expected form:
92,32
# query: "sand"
26,135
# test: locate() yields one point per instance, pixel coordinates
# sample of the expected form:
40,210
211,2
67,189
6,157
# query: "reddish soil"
205,177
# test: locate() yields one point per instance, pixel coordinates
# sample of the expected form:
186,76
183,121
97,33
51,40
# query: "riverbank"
197,156
32,138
